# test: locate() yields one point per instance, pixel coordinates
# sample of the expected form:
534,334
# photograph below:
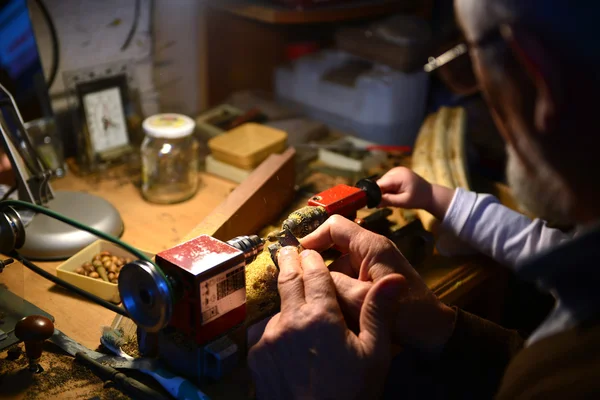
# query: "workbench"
157,227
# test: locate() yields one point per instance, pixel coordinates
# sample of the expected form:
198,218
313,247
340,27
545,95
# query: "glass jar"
169,159
46,139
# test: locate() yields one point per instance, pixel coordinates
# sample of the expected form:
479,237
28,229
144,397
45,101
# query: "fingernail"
288,250
305,253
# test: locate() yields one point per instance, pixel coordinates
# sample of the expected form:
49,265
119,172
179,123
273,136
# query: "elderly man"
536,62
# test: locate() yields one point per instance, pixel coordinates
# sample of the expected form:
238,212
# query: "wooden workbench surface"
147,226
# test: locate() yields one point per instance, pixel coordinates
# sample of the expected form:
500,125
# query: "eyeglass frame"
460,49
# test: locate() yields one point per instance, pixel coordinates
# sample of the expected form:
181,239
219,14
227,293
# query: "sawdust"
56,378
131,346
62,377
262,297
106,394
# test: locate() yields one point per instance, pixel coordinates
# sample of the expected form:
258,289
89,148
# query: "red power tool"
341,199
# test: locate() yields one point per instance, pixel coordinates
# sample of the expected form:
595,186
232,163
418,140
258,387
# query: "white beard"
540,194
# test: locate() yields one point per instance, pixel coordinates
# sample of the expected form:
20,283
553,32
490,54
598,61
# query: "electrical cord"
137,253
55,44
79,225
68,286
136,18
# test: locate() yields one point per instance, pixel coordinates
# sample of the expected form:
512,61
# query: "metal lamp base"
47,239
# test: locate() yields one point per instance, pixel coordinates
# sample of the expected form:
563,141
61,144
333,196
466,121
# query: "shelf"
265,11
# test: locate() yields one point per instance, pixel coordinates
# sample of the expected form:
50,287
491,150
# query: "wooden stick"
258,200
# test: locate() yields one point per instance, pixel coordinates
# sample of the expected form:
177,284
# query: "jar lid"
168,126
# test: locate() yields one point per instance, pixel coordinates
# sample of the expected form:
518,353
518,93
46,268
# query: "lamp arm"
32,176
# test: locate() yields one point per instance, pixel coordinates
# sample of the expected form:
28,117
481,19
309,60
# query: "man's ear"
542,69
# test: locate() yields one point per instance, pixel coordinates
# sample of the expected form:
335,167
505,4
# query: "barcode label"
233,281
222,293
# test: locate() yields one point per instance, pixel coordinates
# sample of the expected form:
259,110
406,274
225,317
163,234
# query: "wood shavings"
130,346
59,375
262,297
62,378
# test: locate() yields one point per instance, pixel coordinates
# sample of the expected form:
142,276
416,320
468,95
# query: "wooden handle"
33,330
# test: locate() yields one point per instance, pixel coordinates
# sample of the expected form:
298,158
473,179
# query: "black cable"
89,229
68,286
55,44
76,224
136,18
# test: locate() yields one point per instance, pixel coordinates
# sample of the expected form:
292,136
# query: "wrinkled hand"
307,351
422,322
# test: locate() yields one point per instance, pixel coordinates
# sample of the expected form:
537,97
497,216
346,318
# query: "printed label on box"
222,293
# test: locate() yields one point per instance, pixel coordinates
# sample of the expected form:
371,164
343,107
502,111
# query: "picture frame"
106,113
103,115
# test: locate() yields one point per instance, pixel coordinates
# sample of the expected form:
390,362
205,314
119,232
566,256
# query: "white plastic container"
382,105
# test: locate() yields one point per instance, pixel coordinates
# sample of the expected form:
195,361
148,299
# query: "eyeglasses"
491,36
434,63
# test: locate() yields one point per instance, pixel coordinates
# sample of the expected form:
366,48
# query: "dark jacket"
483,360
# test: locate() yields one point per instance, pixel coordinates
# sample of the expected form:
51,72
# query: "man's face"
535,185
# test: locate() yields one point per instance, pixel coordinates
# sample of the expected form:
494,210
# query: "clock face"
105,119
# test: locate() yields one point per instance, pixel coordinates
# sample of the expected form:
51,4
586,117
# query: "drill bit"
301,222
285,239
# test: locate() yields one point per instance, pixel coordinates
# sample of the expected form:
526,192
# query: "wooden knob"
33,330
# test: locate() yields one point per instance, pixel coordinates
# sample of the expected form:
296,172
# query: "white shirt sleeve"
480,221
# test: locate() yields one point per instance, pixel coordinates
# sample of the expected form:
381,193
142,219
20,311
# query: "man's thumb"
378,313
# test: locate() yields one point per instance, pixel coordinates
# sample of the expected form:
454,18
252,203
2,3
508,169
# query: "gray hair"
570,28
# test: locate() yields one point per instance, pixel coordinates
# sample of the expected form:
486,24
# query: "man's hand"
307,351
423,322
401,187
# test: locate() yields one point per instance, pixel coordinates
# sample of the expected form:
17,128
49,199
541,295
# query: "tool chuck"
251,246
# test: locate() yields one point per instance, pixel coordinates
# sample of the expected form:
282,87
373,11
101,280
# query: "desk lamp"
48,238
